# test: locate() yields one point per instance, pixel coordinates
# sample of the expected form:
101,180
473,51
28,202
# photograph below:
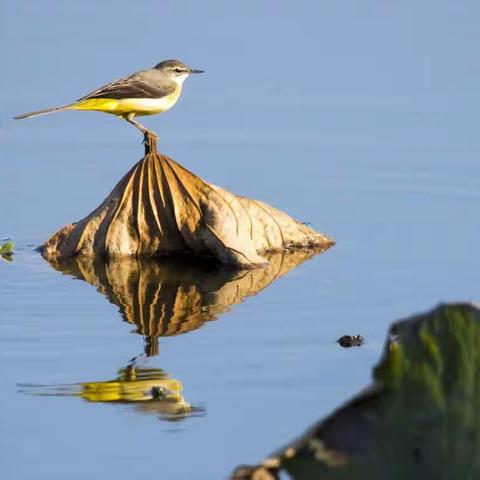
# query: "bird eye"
178,70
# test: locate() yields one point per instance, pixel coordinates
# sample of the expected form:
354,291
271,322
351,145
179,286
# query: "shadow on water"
419,419
161,298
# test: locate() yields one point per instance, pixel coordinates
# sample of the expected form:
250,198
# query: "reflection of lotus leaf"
420,418
150,390
164,299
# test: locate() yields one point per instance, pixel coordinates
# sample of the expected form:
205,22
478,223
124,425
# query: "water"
359,120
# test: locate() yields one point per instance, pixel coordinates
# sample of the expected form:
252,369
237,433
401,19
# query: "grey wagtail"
146,92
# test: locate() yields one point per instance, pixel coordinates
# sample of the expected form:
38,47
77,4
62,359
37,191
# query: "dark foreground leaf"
420,418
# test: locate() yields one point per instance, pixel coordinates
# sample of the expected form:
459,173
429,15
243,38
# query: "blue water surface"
358,117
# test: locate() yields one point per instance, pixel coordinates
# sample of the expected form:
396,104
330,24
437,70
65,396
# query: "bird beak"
192,70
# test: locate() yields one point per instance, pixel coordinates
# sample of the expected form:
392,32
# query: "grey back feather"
144,84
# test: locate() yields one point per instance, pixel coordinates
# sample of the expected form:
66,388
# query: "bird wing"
133,86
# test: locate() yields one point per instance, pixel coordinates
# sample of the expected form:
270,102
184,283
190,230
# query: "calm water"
360,120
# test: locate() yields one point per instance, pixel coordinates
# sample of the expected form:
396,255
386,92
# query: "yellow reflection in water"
149,390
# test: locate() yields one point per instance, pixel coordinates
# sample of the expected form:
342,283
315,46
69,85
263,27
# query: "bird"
146,92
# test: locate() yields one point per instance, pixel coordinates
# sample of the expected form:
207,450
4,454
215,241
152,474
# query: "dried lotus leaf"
159,208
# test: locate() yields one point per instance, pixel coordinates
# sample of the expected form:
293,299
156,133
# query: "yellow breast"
124,106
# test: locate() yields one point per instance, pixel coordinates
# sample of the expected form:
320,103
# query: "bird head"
176,70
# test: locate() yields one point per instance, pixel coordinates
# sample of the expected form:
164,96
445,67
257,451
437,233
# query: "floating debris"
246,472
348,341
6,251
7,248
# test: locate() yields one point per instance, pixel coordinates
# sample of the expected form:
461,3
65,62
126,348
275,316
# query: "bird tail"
37,113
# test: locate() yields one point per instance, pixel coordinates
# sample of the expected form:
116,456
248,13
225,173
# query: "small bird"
146,92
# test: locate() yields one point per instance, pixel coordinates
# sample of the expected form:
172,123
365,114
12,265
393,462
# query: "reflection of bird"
148,389
133,385
144,93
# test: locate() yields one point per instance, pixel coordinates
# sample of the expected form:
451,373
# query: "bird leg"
130,118
149,138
